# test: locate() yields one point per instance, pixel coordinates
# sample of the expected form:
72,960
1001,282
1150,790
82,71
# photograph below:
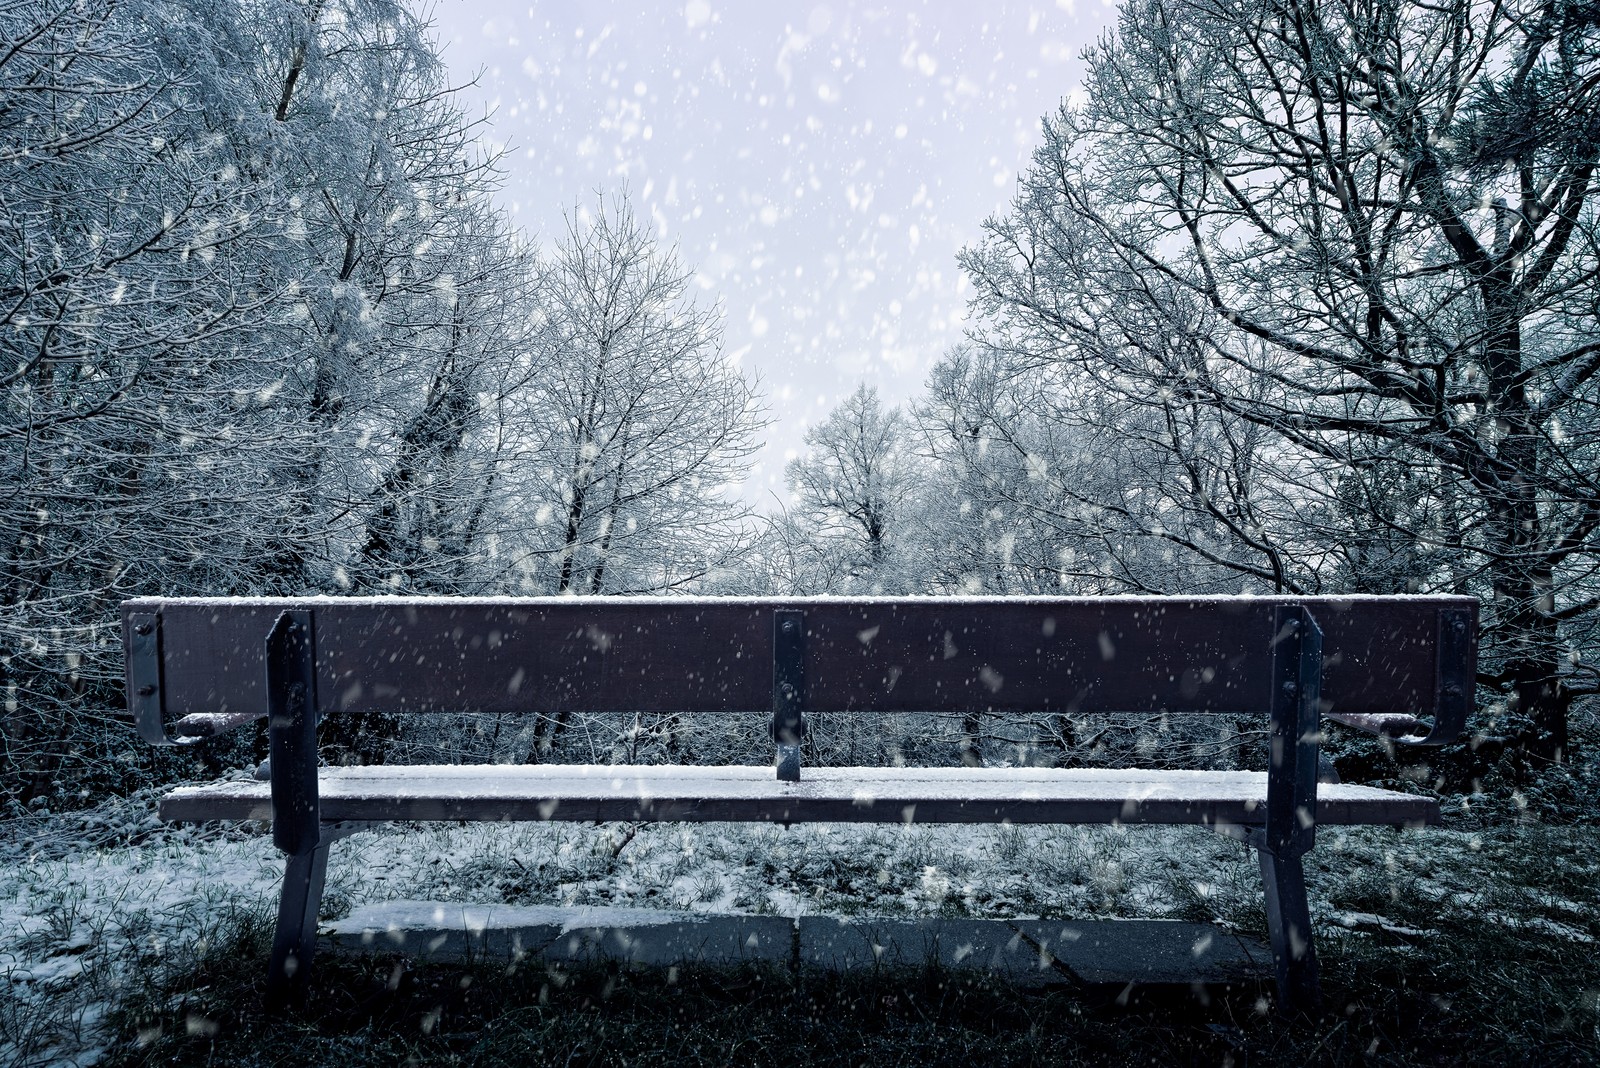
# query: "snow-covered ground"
89,901
78,918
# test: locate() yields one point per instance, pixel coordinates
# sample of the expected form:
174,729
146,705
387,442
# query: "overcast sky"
816,166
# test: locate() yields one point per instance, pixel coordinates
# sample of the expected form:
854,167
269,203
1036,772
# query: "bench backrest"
296,660
1379,654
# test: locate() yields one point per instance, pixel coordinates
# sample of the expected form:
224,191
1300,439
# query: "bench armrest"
1404,728
1455,684
199,725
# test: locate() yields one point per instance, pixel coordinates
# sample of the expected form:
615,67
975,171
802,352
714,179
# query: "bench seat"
844,795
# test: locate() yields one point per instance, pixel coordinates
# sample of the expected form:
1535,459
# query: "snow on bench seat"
838,795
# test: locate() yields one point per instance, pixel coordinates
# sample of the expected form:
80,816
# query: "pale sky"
817,166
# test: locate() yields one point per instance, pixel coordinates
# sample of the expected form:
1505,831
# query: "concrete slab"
1024,951
1042,951
442,930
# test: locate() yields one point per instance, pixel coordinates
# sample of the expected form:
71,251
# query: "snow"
1367,921
404,915
88,903
1193,795
75,921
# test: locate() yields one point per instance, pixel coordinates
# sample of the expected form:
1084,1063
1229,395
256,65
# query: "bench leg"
296,936
1294,958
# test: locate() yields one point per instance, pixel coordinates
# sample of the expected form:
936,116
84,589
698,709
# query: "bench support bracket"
296,811
1291,827
1294,958
788,690
145,697
292,733
296,936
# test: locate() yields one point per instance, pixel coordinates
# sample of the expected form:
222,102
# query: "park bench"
200,666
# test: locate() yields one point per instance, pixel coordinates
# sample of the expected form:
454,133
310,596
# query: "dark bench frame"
1375,663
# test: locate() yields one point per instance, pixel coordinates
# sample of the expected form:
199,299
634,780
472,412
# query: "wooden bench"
196,667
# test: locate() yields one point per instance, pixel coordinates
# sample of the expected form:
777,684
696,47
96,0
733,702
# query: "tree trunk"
1521,574
569,546
297,62
972,740
597,580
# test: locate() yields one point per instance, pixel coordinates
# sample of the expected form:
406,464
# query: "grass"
1474,944
1386,1004
1456,949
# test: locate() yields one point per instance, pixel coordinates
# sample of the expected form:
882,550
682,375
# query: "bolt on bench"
199,666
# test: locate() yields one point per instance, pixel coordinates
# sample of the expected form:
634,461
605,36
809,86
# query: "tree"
638,425
1039,486
1042,488
429,512
256,314
636,430
131,281
408,290
1368,235
853,487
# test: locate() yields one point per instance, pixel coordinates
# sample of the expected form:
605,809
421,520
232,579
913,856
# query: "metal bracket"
146,699
1455,678
788,689
1296,711
292,733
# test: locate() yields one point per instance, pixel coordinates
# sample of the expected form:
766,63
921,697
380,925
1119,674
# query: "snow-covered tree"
852,493
634,432
258,325
133,414
638,425
1361,244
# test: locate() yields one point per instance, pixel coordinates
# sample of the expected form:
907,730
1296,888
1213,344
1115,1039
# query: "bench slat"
841,795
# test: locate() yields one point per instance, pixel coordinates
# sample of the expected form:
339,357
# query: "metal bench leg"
295,939
296,811
1294,957
1291,824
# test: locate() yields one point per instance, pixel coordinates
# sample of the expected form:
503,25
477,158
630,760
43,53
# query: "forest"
1292,298
1265,316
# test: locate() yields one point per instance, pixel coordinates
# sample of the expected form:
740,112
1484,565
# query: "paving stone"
1024,951
637,936
1046,951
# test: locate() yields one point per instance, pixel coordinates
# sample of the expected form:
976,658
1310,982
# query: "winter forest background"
1293,298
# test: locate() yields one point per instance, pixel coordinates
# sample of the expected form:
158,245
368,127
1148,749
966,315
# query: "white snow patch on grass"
77,927
83,916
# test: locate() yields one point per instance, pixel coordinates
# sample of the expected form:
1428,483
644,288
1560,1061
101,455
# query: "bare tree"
638,426
853,487
1037,488
637,429
1368,233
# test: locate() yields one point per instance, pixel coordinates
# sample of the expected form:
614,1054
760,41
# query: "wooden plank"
838,795
213,652
878,654
1065,655
549,655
